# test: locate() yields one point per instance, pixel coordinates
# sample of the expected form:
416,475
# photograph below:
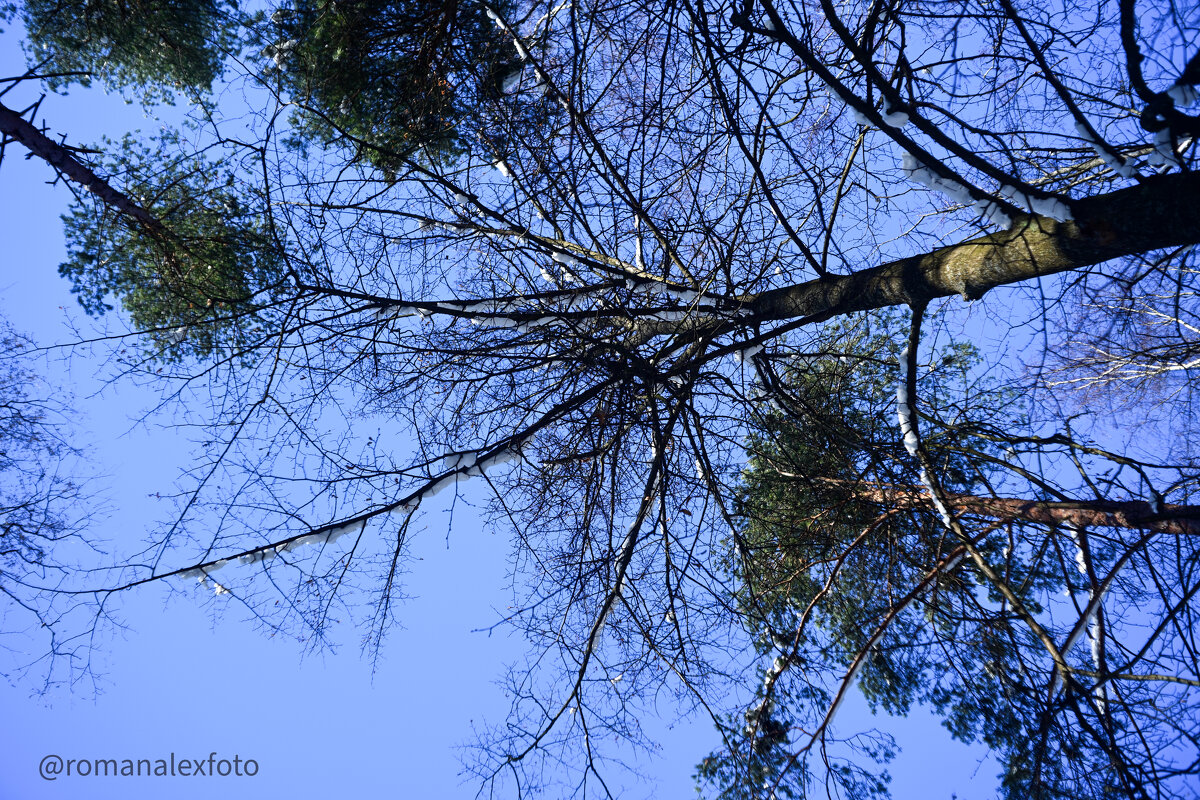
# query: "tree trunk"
1162,211
16,128
1130,514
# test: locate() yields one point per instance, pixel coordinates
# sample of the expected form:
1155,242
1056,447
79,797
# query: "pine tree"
150,46
400,80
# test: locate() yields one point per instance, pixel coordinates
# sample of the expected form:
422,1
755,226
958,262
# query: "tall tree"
587,321
833,535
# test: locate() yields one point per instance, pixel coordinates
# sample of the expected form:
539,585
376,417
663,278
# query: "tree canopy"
145,45
399,81
190,275
786,341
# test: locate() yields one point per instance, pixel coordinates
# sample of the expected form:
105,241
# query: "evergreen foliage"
198,281
153,46
394,79
817,542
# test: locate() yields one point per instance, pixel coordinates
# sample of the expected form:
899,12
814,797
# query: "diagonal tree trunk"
1162,211
18,129
1129,514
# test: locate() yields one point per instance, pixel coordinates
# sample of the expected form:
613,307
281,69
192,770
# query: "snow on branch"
624,554
463,466
549,16
496,18
456,467
912,169
908,422
1096,597
895,116
1095,628
495,313
1182,93
1164,153
747,353
1051,207
1111,158
904,409
328,535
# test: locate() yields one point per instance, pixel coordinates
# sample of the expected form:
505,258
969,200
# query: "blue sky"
187,678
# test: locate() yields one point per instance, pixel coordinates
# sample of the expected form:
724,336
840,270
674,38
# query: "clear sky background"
185,678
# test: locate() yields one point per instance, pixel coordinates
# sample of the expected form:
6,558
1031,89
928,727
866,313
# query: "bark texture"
1161,211
18,129
1128,514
